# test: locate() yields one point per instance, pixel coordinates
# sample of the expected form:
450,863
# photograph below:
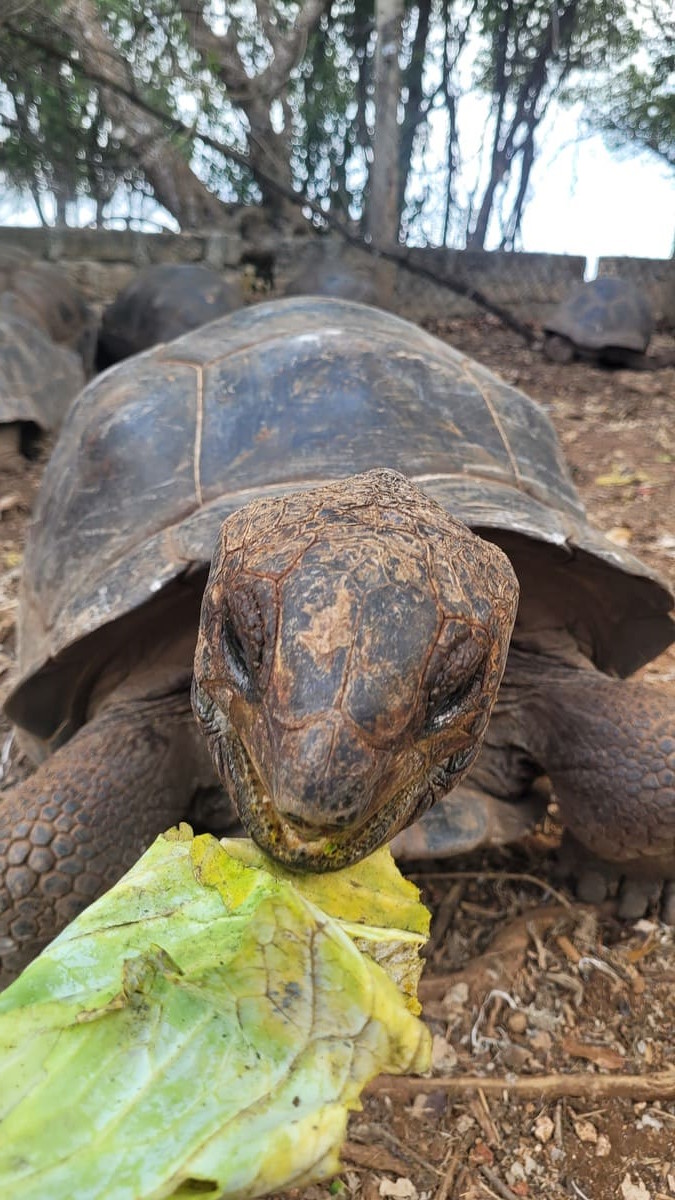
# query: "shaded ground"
521,985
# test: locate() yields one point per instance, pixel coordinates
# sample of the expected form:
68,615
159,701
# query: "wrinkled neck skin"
607,745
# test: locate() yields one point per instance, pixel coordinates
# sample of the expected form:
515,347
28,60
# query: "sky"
588,200
583,197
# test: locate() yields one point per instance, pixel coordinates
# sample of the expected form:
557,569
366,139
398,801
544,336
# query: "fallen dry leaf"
602,1056
520,1188
638,952
443,1055
621,477
375,1158
481,1155
621,535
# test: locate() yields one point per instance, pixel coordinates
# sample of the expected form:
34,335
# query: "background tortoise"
326,274
607,319
352,635
340,282
160,304
38,381
46,346
44,296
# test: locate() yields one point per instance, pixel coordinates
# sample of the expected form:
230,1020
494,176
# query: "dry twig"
504,958
495,1182
517,876
658,1086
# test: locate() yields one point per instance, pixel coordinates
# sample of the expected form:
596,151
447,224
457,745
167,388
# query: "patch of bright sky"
588,200
583,197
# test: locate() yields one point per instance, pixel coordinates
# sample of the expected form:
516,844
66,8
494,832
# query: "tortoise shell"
38,379
43,294
156,452
604,314
160,304
332,279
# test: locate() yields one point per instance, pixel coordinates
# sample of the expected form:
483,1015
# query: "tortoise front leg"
467,819
82,819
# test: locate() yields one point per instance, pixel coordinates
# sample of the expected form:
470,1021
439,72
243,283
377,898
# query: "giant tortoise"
44,296
38,381
160,304
333,279
608,319
353,629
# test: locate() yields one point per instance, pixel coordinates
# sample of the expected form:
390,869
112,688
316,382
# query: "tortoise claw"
668,903
464,820
637,893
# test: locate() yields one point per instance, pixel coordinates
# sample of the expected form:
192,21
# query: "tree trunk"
383,210
413,108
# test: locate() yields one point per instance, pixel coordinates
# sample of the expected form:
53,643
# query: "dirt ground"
561,1017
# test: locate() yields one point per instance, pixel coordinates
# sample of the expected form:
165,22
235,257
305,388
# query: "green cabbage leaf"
204,1028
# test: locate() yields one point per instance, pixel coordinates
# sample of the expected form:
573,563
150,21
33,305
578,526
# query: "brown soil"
572,1008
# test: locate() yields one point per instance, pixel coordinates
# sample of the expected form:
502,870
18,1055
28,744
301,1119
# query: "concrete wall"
103,261
656,278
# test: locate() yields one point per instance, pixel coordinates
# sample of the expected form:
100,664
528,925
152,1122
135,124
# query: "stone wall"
103,261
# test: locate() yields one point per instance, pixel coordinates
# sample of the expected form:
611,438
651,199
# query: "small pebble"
516,1022
541,1042
456,997
543,1129
515,1173
586,1131
443,1056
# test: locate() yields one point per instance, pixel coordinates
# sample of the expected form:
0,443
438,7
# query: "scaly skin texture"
610,754
74,827
608,748
352,642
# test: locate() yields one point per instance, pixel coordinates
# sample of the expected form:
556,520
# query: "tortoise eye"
235,655
445,704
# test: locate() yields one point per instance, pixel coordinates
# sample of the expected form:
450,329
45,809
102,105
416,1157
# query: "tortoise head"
351,645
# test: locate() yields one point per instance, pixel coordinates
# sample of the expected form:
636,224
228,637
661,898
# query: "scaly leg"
608,747
72,829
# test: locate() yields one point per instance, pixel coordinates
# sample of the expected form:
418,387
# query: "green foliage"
634,103
313,129
50,117
58,139
332,139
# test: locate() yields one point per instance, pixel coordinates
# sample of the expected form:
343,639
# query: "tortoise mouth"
313,850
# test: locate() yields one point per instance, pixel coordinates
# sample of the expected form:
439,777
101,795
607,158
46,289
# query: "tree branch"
173,125
174,183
